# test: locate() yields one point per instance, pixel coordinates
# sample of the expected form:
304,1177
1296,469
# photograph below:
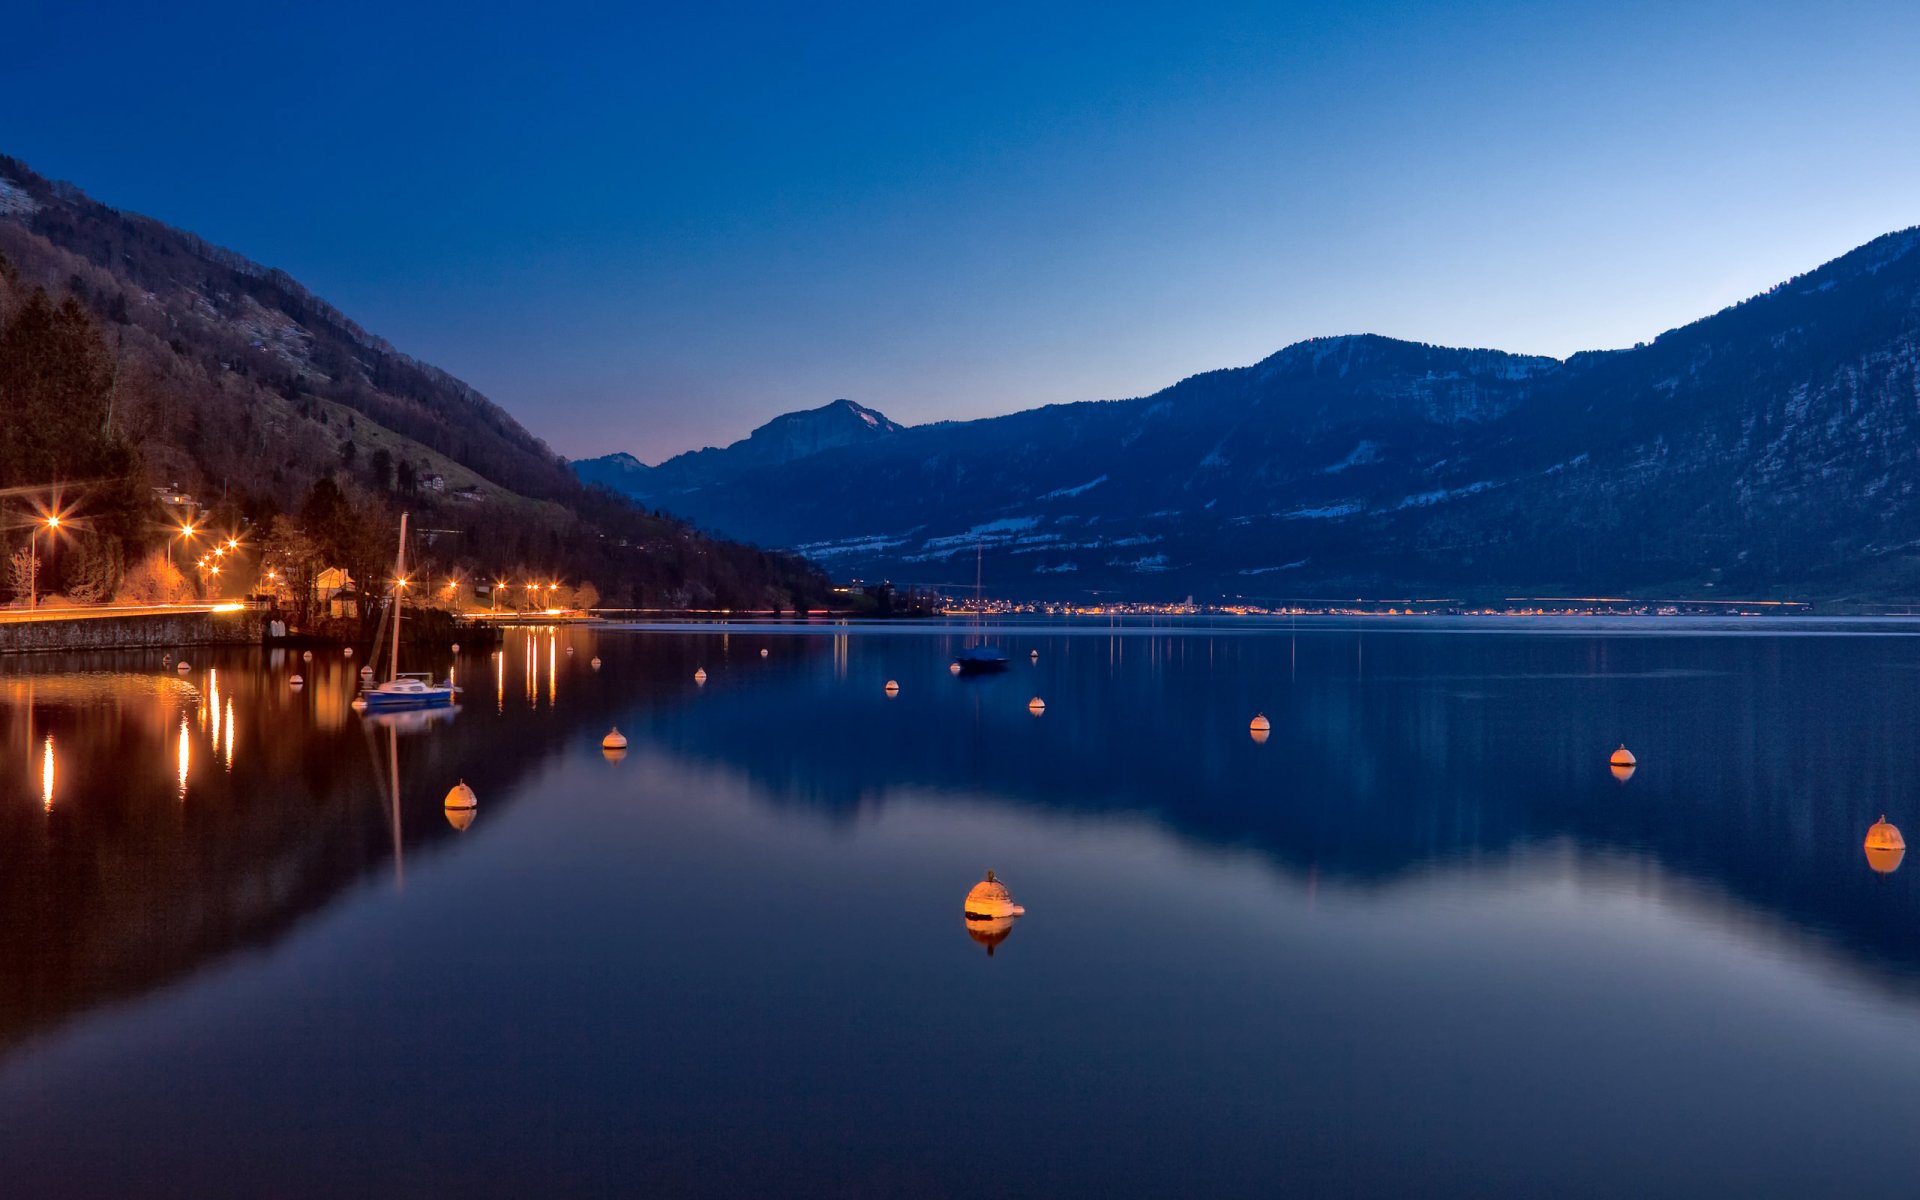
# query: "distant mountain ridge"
788,437
1774,444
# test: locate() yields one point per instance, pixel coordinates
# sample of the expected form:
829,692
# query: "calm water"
1419,942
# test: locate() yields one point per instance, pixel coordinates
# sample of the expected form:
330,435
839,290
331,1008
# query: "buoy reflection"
46,774
990,933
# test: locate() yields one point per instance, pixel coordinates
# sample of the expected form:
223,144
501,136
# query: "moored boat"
404,689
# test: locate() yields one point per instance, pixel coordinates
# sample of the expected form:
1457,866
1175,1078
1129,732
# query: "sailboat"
404,689
979,658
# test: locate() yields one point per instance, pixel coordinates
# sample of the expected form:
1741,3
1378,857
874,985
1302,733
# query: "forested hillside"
134,356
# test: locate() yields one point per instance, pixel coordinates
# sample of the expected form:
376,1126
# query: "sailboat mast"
978,616
399,584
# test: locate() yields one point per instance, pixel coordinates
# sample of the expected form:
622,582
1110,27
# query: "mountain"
1774,445
780,441
231,381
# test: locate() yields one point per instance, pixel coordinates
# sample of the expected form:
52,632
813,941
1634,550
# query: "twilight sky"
653,227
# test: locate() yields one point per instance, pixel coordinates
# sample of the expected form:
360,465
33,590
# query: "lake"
1420,940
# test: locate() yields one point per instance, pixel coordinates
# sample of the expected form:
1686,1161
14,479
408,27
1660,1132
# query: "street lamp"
187,530
52,524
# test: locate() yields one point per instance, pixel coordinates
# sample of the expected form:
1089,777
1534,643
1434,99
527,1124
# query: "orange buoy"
1623,757
1036,706
892,689
460,805
1885,836
763,652
700,675
1885,847
953,668
990,901
615,740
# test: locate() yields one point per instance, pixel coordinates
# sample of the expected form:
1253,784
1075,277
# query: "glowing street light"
52,524
188,530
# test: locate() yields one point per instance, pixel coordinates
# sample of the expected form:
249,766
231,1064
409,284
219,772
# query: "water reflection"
990,933
1420,846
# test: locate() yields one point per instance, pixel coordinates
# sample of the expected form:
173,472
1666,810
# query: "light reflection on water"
1419,939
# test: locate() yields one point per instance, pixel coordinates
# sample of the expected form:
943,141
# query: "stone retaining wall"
132,632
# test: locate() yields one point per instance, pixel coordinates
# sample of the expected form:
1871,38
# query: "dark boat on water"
980,659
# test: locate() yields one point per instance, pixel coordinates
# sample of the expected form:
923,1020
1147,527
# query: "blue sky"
651,228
